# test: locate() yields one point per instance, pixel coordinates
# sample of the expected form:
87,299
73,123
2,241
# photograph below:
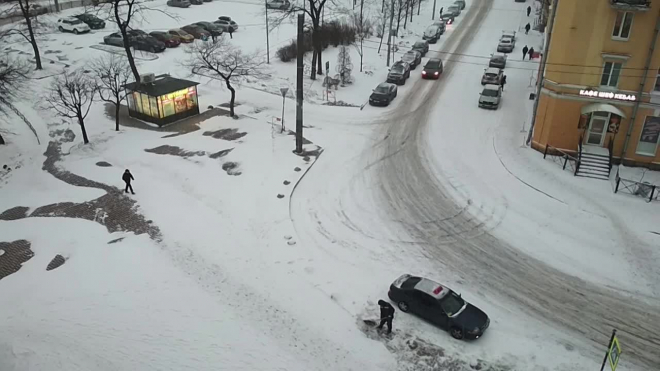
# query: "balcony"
631,5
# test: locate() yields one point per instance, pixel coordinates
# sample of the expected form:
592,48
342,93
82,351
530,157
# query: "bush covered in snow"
332,33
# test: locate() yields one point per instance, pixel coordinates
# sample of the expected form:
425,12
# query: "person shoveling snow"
386,315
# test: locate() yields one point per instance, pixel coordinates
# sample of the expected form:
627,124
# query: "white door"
597,128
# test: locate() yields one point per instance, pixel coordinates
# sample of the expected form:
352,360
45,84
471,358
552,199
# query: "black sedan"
94,22
421,46
432,69
439,305
413,58
211,28
383,94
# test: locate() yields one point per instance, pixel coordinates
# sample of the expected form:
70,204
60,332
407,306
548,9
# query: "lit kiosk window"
162,99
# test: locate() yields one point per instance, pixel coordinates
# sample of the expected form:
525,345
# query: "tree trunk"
117,107
129,55
381,38
313,73
412,9
81,121
33,41
319,61
233,97
2,140
405,22
361,54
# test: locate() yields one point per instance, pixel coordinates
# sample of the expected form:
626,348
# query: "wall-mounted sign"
607,95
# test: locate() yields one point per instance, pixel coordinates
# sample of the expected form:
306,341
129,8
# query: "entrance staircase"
594,163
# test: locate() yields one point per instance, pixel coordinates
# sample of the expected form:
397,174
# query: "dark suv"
398,73
94,22
421,46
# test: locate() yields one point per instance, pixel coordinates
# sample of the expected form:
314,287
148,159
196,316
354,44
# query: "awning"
602,107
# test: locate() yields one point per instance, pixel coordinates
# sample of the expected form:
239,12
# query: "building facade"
601,87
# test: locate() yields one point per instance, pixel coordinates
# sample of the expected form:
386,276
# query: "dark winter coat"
525,50
127,177
386,309
531,53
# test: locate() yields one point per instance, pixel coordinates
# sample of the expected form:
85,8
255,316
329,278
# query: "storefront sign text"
607,95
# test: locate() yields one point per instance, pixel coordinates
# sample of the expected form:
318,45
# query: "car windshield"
397,69
432,65
452,8
410,283
75,21
408,57
452,304
382,89
505,41
419,45
431,30
489,93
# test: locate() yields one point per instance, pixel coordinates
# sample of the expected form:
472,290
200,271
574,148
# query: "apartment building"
601,89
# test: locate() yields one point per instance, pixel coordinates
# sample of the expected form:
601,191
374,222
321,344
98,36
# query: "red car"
167,39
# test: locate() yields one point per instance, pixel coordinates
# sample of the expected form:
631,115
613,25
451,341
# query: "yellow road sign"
614,353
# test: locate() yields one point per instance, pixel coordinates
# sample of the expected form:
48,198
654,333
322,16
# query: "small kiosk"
162,99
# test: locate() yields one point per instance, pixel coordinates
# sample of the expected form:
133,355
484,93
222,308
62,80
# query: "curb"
300,179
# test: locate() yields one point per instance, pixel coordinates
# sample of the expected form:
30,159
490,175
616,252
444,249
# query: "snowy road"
395,183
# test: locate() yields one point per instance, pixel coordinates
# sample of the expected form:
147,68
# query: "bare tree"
225,61
29,29
111,74
12,76
123,13
71,96
363,28
314,9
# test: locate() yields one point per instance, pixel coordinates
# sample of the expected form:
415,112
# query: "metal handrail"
579,159
610,148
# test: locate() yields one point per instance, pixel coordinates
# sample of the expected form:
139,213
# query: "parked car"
406,66
72,24
413,58
37,9
421,46
181,35
453,9
506,45
439,305
147,43
114,39
460,4
432,34
398,74
210,27
225,25
497,61
196,2
442,25
447,17
432,69
94,22
196,31
383,94
207,1
278,4
167,39
233,24
490,97
136,33
492,76
509,34
178,3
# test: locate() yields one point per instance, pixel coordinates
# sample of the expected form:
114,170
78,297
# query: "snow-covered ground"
235,277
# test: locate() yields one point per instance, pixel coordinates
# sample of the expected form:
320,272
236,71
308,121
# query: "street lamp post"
283,90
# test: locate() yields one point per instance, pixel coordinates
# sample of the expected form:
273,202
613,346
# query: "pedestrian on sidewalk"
525,50
386,315
127,178
529,10
441,8
231,32
527,27
503,81
213,38
531,53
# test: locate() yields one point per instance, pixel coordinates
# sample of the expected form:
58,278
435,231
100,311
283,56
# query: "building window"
648,138
611,73
622,25
657,81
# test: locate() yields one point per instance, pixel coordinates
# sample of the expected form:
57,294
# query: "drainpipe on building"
649,57
541,76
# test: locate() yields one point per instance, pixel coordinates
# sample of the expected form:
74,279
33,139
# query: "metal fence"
646,190
561,158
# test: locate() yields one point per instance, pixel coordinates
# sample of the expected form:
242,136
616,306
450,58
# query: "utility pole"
541,76
389,34
433,13
267,40
649,58
299,86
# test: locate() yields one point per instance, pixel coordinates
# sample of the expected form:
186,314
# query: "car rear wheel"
456,333
61,29
75,31
403,306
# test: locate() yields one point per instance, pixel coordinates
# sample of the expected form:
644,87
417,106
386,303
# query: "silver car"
506,45
490,97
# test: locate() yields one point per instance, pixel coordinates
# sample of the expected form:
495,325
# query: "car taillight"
423,72
436,73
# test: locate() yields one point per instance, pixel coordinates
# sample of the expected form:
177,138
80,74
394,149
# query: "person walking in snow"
503,81
127,178
531,53
386,315
529,10
231,32
525,50
527,27
441,8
